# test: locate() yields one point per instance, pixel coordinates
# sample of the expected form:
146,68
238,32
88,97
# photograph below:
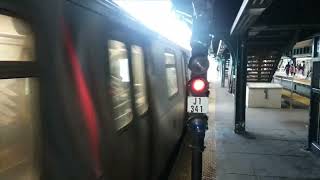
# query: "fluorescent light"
159,16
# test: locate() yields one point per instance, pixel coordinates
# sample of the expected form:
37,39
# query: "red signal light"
198,86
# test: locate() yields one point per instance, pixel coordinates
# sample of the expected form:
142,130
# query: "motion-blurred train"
86,92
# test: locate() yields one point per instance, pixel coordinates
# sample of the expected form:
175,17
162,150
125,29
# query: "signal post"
198,86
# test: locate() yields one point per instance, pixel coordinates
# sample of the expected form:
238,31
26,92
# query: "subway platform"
272,149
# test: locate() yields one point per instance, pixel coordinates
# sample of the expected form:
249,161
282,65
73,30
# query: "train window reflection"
139,79
171,74
16,40
19,124
120,83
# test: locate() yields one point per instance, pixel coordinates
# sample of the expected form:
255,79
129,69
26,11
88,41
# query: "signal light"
198,86
198,65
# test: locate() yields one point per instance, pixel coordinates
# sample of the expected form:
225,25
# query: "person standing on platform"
287,68
303,66
292,70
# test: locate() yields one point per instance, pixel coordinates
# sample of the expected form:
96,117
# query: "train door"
19,100
120,96
142,121
126,59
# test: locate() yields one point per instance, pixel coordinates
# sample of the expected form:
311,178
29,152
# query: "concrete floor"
273,148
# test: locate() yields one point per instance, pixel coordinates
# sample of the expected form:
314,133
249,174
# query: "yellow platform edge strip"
296,97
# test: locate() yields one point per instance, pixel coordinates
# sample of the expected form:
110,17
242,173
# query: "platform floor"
273,149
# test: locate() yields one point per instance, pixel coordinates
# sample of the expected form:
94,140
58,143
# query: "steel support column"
230,75
241,81
223,71
314,99
313,120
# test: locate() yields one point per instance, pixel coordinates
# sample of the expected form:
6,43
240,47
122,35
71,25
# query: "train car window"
171,73
120,83
19,105
16,40
139,79
307,50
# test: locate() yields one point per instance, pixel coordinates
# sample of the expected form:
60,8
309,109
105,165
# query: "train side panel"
80,137
168,110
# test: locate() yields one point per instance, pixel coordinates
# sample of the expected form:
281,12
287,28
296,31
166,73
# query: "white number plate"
198,104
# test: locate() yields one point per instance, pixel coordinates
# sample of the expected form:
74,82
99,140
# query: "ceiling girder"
249,11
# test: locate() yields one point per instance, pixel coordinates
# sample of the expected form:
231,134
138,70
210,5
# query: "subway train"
87,93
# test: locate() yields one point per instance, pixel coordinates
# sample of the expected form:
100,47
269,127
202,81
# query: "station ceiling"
273,26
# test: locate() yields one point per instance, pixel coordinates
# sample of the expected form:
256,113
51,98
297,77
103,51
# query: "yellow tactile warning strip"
296,97
302,81
208,160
